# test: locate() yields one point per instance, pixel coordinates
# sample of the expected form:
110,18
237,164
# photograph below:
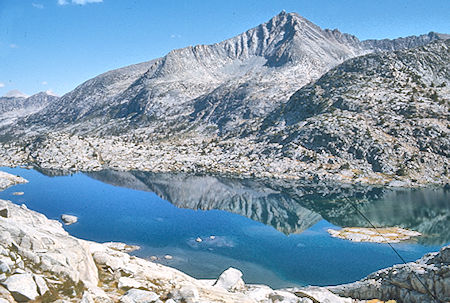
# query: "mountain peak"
51,93
15,94
284,18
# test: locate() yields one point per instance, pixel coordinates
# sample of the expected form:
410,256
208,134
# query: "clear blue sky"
58,44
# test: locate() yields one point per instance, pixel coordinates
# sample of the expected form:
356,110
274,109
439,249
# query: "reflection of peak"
294,206
243,197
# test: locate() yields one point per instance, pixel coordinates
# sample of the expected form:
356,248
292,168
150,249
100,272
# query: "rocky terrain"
7,180
235,107
384,112
425,280
374,235
18,106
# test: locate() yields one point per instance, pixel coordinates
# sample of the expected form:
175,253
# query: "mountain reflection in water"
294,206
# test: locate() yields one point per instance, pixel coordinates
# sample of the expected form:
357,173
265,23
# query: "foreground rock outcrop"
426,280
41,261
7,180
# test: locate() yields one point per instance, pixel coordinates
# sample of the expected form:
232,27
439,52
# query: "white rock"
189,293
87,298
22,287
259,293
397,183
168,257
198,240
69,219
46,243
123,247
284,297
231,280
41,285
4,267
323,295
139,296
125,282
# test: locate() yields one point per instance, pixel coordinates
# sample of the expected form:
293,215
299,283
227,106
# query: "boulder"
4,213
87,298
41,285
139,296
44,243
5,295
22,287
319,294
4,267
127,283
231,280
69,219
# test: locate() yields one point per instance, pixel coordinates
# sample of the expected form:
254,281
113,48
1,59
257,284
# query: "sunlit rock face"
422,281
285,99
217,87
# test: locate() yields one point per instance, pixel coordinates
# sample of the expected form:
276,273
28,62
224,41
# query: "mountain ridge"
285,99
181,82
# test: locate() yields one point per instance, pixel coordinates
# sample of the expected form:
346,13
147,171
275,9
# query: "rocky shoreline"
40,261
243,158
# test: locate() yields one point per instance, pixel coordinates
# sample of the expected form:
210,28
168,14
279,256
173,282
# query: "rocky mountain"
213,88
367,111
403,43
19,106
15,93
388,111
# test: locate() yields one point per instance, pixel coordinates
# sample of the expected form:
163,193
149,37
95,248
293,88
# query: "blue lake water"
230,210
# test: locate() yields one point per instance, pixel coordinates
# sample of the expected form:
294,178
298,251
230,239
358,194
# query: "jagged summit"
287,49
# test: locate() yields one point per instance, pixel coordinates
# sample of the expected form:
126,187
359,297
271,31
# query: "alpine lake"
274,231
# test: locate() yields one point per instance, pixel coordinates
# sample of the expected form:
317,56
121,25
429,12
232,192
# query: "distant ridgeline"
285,90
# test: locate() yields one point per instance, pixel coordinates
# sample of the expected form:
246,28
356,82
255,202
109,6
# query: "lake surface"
275,232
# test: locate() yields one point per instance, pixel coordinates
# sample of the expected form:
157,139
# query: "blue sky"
58,44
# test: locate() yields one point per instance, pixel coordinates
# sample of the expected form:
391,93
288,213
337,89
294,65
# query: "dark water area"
275,232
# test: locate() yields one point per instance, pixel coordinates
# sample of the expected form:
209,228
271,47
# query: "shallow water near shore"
275,233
